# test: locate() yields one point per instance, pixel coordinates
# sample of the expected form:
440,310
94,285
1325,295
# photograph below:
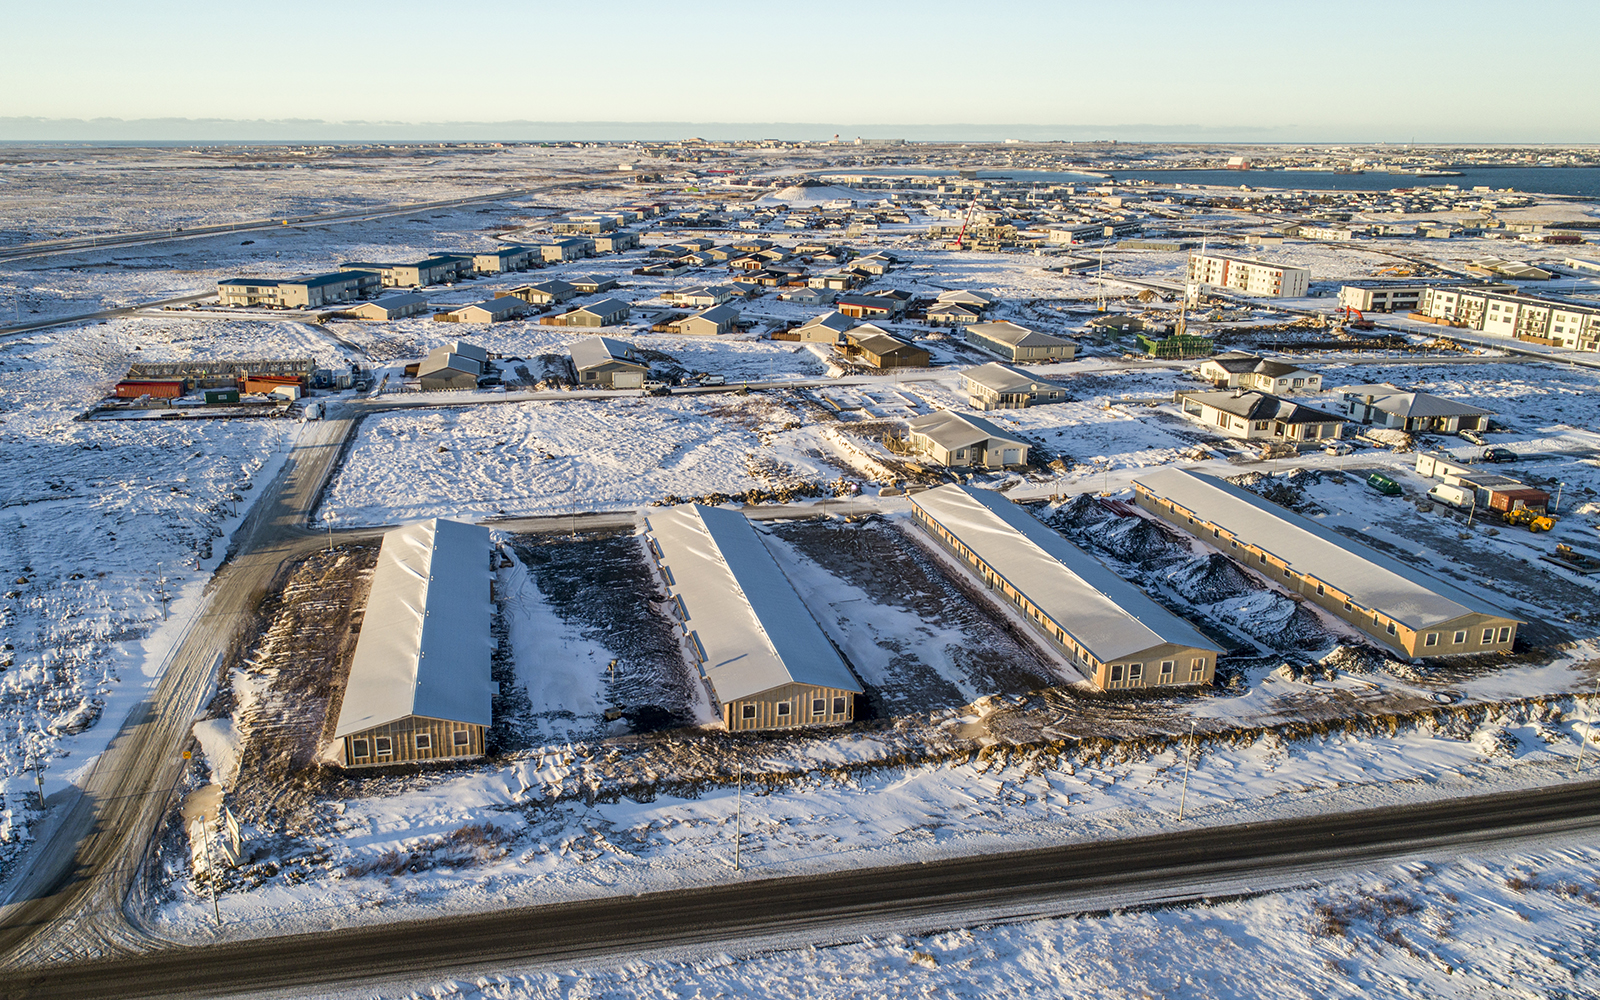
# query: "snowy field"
97,521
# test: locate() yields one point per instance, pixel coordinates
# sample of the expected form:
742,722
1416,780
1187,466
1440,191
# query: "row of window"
383,746
1133,673
819,706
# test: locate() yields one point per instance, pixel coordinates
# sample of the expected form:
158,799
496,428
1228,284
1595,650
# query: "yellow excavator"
1531,520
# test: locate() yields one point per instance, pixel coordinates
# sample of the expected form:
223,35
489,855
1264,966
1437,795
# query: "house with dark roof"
1259,416
604,363
1413,412
1239,369
867,344
997,387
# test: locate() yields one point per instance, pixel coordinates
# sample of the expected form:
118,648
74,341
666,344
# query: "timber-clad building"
1395,603
766,659
419,686
1113,632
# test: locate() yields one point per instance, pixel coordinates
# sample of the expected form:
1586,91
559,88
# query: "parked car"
713,380
1338,448
1383,484
1499,455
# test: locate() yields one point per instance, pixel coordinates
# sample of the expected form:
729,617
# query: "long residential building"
1548,321
767,660
307,292
1111,630
1249,275
419,686
1018,343
1391,601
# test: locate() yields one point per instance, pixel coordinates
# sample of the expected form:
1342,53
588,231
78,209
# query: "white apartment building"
1520,317
1248,275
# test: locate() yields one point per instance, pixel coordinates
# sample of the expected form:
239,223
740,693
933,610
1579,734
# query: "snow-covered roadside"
400,855
1505,923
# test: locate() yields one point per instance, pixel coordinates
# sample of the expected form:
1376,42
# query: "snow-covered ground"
1503,924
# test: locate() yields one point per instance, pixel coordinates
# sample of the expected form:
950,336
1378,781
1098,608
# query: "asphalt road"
808,909
45,324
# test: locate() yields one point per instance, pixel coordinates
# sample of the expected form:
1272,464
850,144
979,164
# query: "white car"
1338,448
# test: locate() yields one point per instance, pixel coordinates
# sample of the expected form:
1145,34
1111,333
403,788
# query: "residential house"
996,387
389,307
709,323
949,439
1413,412
604,363
1018,343
866,344
1256,416
1239,369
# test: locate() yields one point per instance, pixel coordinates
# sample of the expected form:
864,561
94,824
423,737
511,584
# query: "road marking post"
1183,797
738,815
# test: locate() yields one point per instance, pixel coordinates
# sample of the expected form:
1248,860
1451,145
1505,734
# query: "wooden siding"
403,737
800,698
1108,675
1371,621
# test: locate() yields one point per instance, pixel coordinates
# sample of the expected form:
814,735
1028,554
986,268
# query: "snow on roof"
952,430
1392,399
1373,580
1001,378
467,350
835,321
1007,332
1105,614
756,633
441,360
961,296
425,643
606,307
591,352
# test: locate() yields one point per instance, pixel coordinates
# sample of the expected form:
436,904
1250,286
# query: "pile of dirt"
1356,660
1079,514
1211,579
1139,540
1276,621
1285,489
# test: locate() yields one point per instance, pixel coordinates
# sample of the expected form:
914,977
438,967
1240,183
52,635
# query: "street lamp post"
1188,754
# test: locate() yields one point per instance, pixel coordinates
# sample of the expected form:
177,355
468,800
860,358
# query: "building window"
819,706
838,706
383,745
1135,673
1321,590
783,708
1116,673
1432,639
747,711
1505,634
1488,636
424,741
1460,637
1166,671
1390,628
358,748
1197,668
461,738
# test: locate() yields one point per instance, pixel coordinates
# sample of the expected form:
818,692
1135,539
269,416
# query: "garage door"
1013,456
628,380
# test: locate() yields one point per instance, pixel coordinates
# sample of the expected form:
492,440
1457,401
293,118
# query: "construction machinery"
1354,319
960,242
1529,519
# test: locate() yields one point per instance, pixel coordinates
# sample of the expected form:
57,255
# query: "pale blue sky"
1467,70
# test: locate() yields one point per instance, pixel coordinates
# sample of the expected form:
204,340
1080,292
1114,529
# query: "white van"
1451,496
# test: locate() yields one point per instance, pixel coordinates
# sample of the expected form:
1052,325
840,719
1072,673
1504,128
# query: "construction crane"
961,238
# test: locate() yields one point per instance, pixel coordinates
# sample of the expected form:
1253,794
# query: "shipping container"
216,396
156,388
1523,496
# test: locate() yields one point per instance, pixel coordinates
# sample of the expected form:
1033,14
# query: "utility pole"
1557,505
1582,740
738,816
161,590
1183,797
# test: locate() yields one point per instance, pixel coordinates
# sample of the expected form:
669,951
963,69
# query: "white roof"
400,301
425,643
606,307
1106,615
1392,399
838,322
960,296
1001,378
591,352
440,360
1373,580
756,633
504,306
1007,332
952,430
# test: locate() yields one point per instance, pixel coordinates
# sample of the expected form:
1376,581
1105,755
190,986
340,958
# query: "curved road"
1170,867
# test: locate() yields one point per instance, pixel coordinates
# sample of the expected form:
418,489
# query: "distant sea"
1581,181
